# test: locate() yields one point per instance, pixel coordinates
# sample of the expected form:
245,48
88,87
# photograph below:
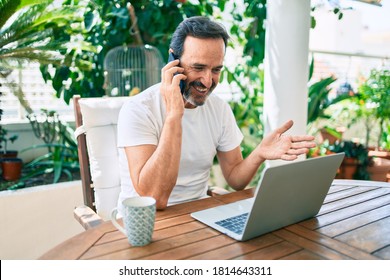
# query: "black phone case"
172,57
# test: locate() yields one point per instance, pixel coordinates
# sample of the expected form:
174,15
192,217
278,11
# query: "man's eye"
218,70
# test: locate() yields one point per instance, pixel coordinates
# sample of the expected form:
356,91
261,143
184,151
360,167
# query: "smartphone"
172,57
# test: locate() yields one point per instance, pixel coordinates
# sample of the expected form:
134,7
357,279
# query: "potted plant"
356,161
330,134
4,138
373,99
11,165
319,100
36,31
61,158
374,105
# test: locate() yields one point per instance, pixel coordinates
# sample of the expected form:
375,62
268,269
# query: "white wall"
34,220
352,34
26,138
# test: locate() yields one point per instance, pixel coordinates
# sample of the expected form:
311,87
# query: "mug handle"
114,221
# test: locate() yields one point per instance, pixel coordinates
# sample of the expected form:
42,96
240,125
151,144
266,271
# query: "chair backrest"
96,124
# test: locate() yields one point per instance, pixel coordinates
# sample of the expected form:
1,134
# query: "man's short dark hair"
198,27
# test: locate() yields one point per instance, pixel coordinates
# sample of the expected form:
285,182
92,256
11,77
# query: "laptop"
286,194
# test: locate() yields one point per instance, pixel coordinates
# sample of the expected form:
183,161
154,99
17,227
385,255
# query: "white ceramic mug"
138,219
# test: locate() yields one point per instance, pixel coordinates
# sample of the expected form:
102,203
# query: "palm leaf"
35,20
28,37
32,30
7,9
10,11
318,98
60,16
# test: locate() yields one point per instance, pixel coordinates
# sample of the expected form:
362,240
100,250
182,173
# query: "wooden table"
353,223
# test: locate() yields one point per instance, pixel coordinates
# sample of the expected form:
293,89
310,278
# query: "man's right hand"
171,74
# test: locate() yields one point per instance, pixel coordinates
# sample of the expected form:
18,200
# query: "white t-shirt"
206,129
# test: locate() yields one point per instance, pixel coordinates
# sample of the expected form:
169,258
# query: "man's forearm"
159,174
243,172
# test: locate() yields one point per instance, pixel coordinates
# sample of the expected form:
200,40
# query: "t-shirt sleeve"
135,126
231,136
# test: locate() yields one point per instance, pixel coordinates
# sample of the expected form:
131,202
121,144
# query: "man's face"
202,60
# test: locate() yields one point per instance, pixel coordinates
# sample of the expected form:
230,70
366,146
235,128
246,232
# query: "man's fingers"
177,78
288,157
301,138
303,144
171,73
286,126
168,70
297,151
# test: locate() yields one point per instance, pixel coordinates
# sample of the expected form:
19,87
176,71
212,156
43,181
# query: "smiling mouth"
201,90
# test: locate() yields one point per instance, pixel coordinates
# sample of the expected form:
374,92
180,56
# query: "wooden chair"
96,124
96,121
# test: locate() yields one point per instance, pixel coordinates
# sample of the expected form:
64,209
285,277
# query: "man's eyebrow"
198,65
204,65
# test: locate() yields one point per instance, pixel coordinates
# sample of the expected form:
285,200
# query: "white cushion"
100,117
103,156
101,111
106,200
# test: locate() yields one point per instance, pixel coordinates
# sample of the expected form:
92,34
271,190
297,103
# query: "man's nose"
207,79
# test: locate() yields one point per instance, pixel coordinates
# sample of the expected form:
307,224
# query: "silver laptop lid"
290,193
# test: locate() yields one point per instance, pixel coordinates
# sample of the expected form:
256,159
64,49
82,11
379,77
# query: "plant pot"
8,154
379,153
332,138
378,169
348,168
12,168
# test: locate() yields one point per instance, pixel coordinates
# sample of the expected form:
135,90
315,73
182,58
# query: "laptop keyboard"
235,224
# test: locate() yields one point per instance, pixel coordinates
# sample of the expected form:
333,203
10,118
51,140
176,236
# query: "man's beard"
194,98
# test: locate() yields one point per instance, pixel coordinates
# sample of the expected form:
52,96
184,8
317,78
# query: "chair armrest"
87,217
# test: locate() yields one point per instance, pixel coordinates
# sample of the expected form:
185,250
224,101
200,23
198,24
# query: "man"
169,139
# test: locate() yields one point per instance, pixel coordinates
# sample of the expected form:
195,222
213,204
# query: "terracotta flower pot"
8,154
379,169
348,168
12,168
379,153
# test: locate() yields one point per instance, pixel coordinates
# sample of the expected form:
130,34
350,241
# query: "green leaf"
311,67
90,20
209,9
7,9
313,22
